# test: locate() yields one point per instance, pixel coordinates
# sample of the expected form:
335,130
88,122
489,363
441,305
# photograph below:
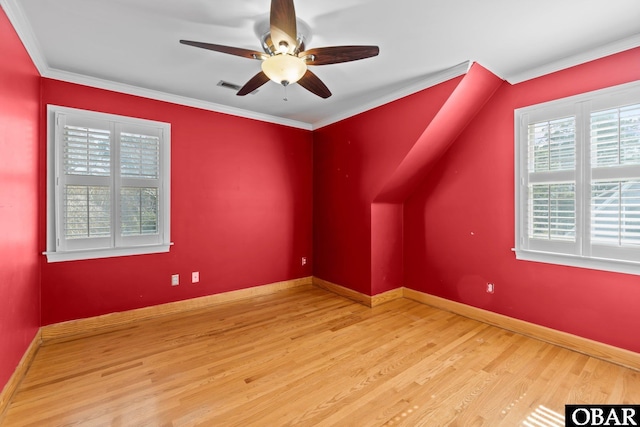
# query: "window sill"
603,264
105,253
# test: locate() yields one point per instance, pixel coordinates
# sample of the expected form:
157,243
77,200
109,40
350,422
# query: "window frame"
116,245
579,254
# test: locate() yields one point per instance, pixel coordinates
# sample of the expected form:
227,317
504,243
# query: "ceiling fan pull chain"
285,93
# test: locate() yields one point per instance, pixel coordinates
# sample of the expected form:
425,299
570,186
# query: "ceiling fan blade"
337,54
282,23
313,84
246,53
253,84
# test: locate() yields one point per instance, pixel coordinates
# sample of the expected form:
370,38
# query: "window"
107,185
578,180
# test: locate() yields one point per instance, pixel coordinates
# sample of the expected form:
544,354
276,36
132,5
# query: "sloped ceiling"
132,46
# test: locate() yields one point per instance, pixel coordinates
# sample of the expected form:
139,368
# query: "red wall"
19,259
353,159
458,222
459,225
241,211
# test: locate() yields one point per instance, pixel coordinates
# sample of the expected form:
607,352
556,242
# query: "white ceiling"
132,46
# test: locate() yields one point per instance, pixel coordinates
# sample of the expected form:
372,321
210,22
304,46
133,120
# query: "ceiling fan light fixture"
284,69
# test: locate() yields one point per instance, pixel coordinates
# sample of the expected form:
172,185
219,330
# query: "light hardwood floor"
306,357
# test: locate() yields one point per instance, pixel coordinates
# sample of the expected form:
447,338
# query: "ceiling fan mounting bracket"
263,31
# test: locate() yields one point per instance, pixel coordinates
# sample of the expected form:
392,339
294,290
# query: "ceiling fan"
285,59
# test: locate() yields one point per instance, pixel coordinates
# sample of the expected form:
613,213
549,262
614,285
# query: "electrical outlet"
175,279
491,288
304,260
195,277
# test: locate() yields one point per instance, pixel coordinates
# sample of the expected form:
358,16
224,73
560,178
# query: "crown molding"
167,97
573,60
23,28
20,23
18,19
427,82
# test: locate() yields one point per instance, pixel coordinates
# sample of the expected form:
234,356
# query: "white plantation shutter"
109,186
139,154
139,191
139,211
552,160
552,213
614,137
615,213
615,185
84,183
550,182
552,145
578,180
87,211
87,151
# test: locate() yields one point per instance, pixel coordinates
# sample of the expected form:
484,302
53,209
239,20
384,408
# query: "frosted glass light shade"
284,69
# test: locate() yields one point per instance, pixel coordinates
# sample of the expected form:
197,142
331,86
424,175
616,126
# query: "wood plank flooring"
306,357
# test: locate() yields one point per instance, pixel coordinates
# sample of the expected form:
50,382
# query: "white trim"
57,253
167,97
106,253
581,97
23,28
99,115
573,60
425,82
587,254
617,266
21,24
